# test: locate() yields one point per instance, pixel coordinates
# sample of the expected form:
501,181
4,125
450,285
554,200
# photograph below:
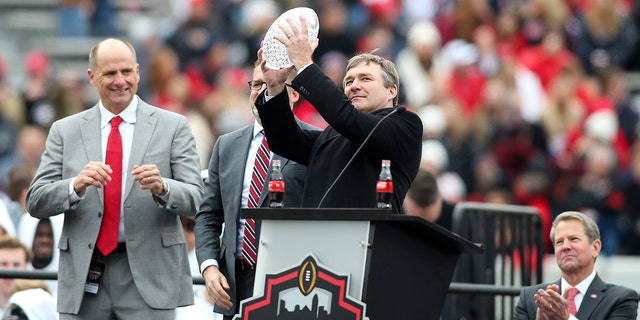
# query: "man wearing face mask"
228,275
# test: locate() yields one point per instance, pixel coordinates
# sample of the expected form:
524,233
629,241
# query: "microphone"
398,109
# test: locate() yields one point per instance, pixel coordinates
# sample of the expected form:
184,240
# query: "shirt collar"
128,114
257,127
582,286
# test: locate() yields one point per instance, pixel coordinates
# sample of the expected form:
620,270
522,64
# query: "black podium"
396,267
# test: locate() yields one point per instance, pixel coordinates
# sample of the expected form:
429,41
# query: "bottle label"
276,186
384,186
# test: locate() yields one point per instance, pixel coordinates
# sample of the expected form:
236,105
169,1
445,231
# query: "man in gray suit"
145,275
228,278
576,240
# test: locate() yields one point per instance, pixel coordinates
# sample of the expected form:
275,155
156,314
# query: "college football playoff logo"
306,292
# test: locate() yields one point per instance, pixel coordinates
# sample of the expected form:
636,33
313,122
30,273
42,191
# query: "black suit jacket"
326,153
601,301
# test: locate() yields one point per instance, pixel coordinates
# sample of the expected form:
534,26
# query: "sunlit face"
116,75
574,252
364,86
11,259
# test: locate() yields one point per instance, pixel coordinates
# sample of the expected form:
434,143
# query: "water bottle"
384,187
276,186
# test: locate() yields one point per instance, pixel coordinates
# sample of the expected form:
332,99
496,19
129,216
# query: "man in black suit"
576,240
370,93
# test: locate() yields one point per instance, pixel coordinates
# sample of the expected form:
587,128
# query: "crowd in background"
523,101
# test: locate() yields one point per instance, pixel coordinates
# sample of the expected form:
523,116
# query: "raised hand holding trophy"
274,52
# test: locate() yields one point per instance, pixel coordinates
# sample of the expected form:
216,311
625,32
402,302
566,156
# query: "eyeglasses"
256,85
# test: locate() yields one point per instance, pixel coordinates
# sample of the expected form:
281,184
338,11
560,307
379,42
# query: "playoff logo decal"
306,292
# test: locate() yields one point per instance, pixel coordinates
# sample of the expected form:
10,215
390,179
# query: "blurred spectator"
17,187
597,193
416,63
509,33
381,40
487,175
526,86
462,78
414,11
564,111
334,29
30,144
169,87
69,95
11,104
455,138
8,156
532,188
14,255
605,36
195,37
38,89
615,86
42,237
102,18
499,127
224,108
542,16
208,77
549,58
424,200
485,39
7,227
31,304
334,64
255,18
630,187
73,17
467,15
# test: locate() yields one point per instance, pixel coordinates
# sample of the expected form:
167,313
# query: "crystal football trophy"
273,51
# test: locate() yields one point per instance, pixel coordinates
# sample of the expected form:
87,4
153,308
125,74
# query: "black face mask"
18,314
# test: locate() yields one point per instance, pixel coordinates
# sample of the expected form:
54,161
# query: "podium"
397,267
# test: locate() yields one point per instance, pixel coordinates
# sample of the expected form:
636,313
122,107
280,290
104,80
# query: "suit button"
90,245
99,214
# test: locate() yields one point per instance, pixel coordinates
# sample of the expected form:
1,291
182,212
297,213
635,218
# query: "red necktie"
260,167
572,300
108,237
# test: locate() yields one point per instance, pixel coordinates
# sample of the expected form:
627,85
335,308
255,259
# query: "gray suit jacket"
601,301
155,241
222,201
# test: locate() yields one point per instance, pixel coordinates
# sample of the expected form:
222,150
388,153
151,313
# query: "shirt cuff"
73,196
208,263
304,68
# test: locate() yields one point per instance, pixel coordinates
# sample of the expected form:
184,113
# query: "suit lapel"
91,139
142,133
592,298
236,148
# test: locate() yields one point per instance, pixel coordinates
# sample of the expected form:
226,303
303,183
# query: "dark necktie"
260,167
108,237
